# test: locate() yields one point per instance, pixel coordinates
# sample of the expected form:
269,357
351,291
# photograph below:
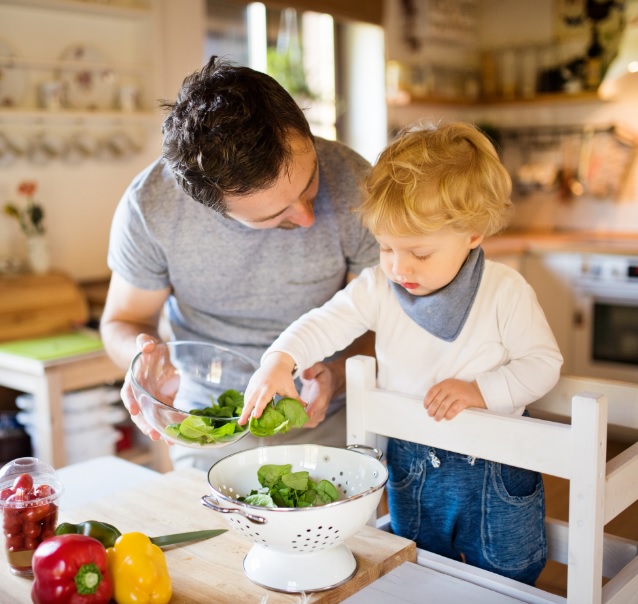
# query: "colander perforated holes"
247,529
323,537
227,491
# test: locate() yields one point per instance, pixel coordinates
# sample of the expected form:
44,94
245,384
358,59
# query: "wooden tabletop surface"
209,571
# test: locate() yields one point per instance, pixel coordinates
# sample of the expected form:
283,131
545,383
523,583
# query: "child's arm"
308,342
448,398
274,376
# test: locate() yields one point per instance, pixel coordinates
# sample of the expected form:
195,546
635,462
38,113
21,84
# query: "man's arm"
129,312
130,323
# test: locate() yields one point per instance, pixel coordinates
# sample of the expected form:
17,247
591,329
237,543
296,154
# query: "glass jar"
29,497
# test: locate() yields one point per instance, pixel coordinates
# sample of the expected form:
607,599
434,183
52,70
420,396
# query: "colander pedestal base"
296,573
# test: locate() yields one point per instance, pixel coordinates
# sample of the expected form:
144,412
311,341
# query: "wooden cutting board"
211,571
37,305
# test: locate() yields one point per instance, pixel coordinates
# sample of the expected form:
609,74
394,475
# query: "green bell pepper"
105,533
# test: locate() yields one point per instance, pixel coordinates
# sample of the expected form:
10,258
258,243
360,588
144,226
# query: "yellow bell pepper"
139,571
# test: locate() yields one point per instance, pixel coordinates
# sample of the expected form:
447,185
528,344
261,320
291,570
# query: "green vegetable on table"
107,534
284,488
218,423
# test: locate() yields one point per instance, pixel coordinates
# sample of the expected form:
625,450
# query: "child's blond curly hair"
430,178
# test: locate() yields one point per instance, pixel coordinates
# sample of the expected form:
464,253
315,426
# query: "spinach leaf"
218,422
286,489
271,422
296,480
269,474
214,424
260,499
285,414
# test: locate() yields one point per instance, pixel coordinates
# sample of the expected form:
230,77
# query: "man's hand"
448,398
146,344
318,389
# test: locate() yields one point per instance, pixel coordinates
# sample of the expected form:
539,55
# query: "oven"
605,334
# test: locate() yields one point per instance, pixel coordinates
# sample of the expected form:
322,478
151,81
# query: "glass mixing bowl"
192,392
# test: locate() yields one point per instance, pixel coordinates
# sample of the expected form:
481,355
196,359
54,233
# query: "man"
273,236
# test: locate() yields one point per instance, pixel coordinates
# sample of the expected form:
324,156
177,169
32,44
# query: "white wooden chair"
576,451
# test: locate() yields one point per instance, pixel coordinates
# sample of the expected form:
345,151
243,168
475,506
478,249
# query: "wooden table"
209,571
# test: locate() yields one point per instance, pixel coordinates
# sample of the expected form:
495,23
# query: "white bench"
575,451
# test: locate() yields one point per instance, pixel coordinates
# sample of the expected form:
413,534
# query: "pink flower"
31,217
27,188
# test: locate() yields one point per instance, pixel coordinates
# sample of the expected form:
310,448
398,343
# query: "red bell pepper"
71,569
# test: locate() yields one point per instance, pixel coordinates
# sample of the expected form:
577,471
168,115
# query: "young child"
457,329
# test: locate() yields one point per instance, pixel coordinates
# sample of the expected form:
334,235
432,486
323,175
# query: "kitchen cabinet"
571,272
552,277
63,73
513,260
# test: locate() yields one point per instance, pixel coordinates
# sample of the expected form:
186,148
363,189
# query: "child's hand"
274,376
448,398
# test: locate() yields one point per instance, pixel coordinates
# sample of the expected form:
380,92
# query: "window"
294,47
333,68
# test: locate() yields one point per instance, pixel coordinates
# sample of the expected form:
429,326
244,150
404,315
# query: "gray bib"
444,312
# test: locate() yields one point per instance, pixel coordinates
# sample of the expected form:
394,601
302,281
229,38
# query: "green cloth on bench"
54,347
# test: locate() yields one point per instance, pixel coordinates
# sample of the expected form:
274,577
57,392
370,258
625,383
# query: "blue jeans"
451,504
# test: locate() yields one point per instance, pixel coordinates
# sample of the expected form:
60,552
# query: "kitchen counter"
589,242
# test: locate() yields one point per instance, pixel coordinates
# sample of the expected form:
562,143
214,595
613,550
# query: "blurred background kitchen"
79,87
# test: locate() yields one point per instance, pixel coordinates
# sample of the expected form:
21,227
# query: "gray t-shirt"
232,285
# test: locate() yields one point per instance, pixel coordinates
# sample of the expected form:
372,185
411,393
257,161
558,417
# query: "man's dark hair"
228,132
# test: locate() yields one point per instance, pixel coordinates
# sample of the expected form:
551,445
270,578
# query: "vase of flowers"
30,217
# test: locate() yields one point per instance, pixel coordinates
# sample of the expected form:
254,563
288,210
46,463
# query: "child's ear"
476,240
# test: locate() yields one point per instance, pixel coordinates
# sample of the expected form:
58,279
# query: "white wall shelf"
37,63
39,117
95,7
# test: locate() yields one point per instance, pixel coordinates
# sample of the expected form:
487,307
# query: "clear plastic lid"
40,471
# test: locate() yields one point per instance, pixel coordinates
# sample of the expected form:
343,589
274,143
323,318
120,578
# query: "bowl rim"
175,344
255,509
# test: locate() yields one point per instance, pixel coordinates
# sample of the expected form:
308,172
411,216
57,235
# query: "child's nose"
401,266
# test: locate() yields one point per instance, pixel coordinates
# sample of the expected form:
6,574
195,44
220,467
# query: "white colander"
299,549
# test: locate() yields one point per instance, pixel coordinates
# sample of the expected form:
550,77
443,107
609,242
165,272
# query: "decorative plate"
86,87
13,79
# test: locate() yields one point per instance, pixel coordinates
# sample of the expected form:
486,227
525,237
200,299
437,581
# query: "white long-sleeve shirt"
506,344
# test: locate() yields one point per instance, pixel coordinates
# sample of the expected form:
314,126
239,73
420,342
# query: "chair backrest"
622,399
575,451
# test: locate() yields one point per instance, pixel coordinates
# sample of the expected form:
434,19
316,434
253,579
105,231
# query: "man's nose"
302,214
